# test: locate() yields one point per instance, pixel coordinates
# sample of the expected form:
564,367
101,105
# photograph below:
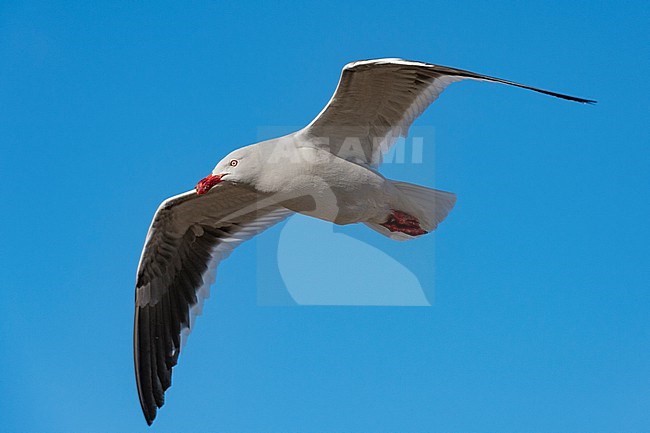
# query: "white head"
239,166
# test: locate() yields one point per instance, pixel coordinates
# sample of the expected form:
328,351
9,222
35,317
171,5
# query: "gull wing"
189,236
376,101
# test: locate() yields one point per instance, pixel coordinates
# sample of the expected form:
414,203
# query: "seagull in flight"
327,170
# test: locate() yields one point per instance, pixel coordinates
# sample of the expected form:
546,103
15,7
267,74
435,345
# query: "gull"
327,170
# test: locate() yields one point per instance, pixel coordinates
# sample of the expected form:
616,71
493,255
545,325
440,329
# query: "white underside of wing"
417,107
353,64
382,145
387,60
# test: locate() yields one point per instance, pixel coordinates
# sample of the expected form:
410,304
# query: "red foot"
402,222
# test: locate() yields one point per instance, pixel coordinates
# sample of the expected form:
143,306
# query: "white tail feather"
430,206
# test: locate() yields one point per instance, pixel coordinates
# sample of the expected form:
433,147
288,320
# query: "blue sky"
541,291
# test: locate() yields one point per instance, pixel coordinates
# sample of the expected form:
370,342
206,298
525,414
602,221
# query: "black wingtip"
149,411
143,365
559,95
474,75
576,99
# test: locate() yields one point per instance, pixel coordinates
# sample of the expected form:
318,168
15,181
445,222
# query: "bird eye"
233,162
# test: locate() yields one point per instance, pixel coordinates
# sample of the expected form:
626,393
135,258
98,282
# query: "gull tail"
429,205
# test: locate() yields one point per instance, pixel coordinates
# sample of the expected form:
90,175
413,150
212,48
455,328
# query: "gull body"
312,181
327,170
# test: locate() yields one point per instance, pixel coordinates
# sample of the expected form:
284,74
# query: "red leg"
402,222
